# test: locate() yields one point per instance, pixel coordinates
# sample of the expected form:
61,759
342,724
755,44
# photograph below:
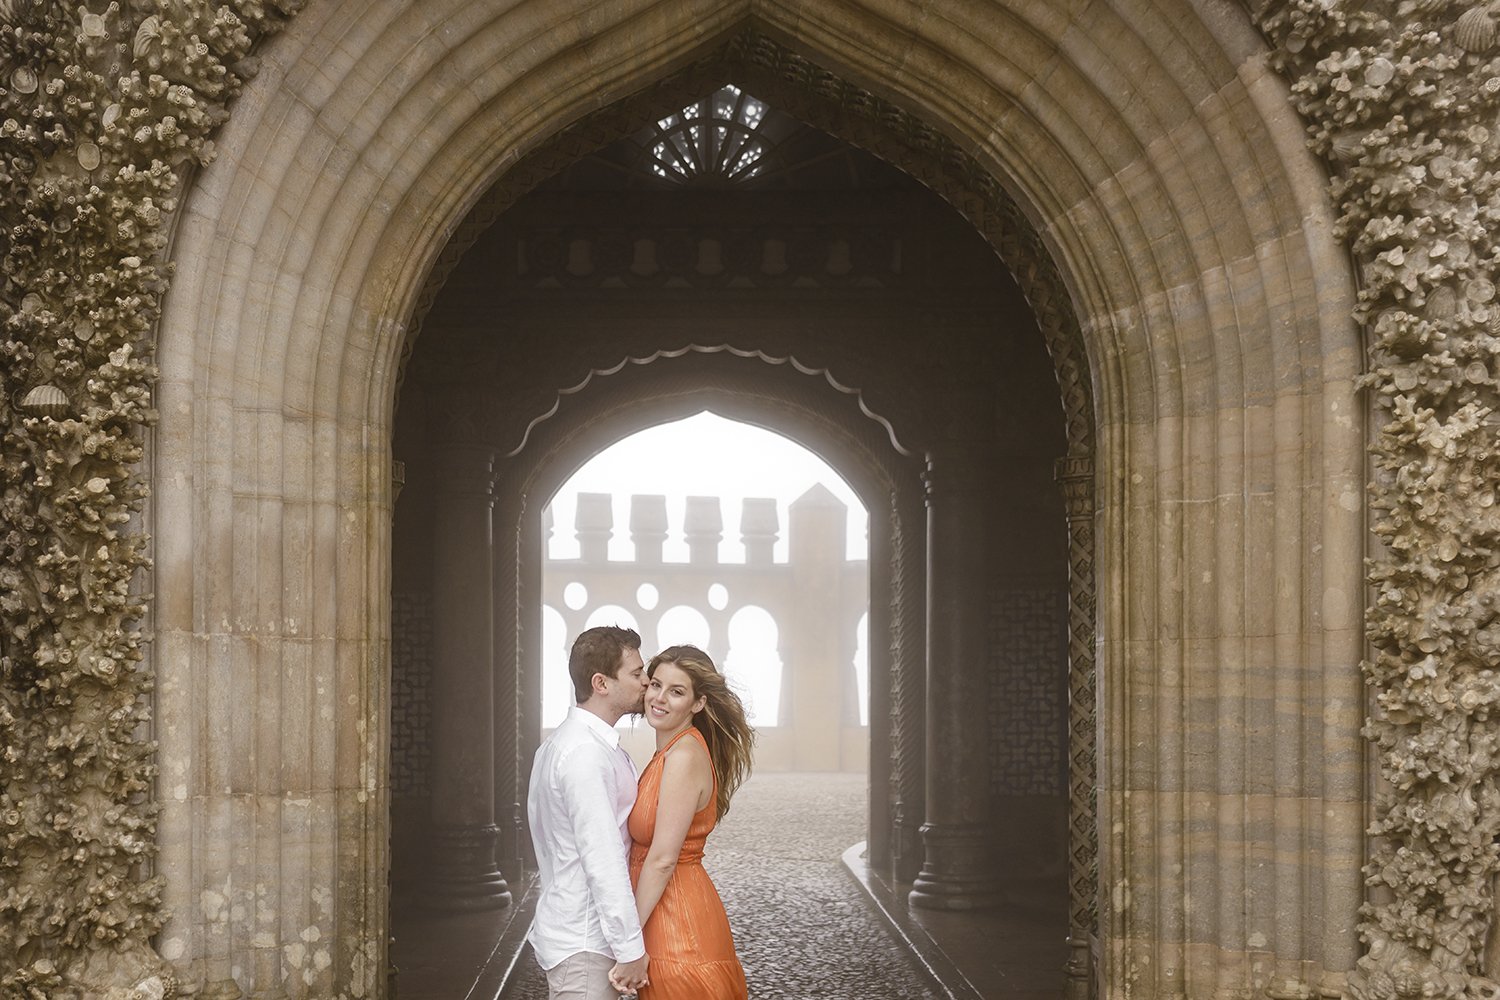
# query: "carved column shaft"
518,560
1075,474
463,737
958,867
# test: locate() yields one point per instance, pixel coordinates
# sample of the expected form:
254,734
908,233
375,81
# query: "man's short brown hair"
598,650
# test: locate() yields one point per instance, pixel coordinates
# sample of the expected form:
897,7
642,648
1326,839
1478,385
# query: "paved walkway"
802,926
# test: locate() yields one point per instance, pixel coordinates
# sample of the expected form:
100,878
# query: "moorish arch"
1150,147
537,450
804,407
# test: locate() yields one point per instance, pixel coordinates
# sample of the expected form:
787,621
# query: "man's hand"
627,977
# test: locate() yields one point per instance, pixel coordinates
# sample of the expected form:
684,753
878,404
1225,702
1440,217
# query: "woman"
703,746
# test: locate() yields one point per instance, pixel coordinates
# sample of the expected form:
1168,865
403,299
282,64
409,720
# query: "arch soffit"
796,86
330,225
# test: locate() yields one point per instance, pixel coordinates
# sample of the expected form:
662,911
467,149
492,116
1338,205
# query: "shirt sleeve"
590,804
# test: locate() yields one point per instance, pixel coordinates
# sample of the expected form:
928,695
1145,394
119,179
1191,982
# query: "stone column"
907,588
957,867
465,874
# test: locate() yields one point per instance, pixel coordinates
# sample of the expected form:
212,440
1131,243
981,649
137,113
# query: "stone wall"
1400,102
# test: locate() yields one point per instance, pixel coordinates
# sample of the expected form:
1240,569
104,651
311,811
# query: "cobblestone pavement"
800,923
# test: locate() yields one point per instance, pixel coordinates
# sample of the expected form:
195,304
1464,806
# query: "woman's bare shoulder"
687,756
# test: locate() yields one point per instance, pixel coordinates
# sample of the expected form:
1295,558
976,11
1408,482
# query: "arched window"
717,139
753,665
611,614
682,624
700,524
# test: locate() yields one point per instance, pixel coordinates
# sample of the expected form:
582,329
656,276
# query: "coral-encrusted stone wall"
102,112
1401,102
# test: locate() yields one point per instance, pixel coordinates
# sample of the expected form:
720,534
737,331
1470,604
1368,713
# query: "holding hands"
627,977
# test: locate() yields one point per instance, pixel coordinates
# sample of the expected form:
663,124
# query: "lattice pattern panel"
411,710
1028,691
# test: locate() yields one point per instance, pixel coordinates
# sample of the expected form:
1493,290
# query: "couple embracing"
625,904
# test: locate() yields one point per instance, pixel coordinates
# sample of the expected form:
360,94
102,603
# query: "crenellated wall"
816,599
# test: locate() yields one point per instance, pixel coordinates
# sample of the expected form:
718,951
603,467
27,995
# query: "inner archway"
738,540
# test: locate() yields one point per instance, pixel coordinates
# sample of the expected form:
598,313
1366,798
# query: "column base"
465,878
268,984
958,869
1078,970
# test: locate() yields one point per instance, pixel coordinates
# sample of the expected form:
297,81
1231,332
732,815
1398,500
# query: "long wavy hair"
731,741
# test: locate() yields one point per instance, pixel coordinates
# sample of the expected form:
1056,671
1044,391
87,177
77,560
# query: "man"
586,929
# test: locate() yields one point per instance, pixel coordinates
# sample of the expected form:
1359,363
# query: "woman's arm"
686,779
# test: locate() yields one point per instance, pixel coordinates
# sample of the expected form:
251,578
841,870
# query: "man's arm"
590,806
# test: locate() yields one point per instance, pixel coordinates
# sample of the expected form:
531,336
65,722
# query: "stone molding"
1400,102
648,390
1075,474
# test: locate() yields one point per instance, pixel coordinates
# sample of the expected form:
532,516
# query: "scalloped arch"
791,362
742,385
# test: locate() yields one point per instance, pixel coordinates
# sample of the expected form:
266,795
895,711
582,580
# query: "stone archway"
1190,229
804,407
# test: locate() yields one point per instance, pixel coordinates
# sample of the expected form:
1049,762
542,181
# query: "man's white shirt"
582,791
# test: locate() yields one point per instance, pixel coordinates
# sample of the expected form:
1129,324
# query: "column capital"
953,472
466,470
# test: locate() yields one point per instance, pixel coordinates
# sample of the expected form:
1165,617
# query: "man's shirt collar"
598,726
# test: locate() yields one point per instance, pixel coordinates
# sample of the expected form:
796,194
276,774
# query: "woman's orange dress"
687,935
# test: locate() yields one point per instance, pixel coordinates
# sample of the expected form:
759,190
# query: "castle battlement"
815,519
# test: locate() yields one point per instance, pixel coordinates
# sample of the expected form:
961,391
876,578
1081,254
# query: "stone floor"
808,919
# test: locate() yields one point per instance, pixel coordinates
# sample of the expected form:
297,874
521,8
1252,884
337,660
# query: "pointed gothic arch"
1190,230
